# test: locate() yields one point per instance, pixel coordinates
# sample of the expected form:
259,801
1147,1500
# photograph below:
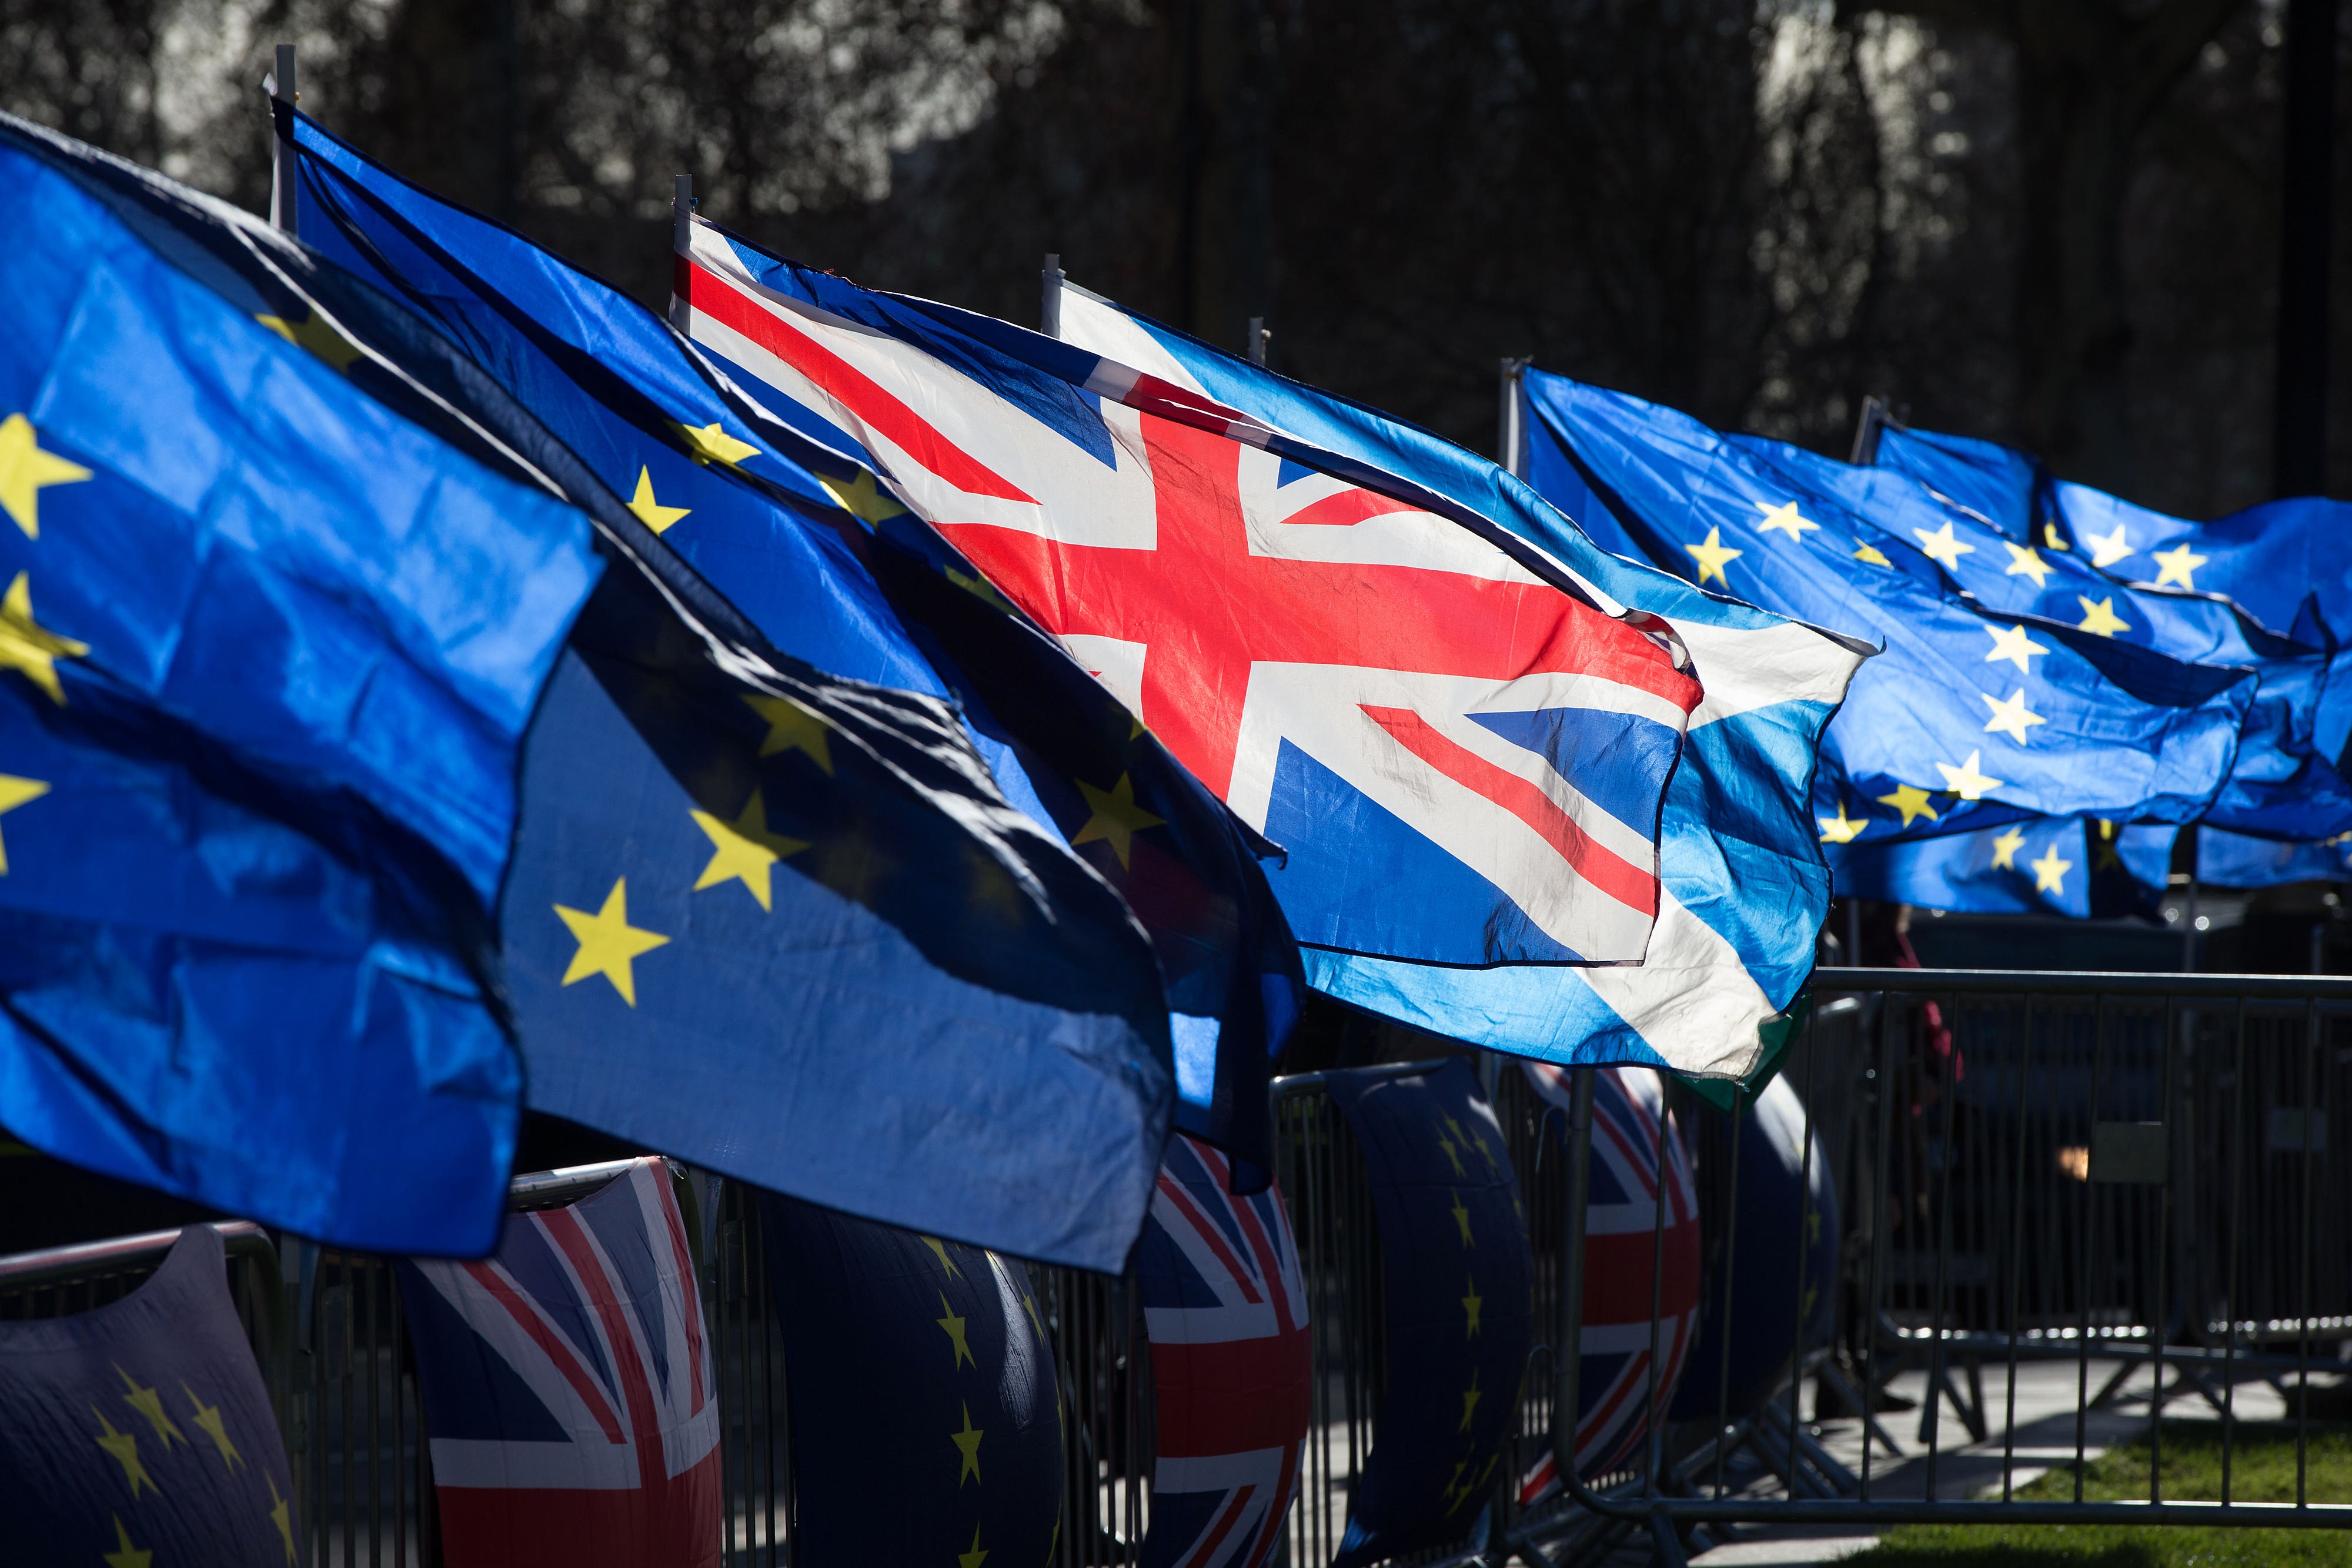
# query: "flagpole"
681,242
1865,432
1258,338
281,150
1049,313
1510,433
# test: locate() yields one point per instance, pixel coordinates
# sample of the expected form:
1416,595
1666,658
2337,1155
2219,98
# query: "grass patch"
2261,1469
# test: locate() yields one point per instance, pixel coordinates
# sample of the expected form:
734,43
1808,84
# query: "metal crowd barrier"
2077,1190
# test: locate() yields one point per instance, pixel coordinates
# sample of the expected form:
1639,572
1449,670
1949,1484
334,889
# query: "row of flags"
915,764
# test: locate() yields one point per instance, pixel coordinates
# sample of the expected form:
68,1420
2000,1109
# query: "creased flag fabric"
1742,886
268,650
1967,716
2084,868
1455,1277
570,1392
926,1414
2236,860
1463,759
141,1430
730,488
1225,1312
2287,563
1634,1149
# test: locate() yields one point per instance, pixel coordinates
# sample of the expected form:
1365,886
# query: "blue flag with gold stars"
141,1432
1969,716
2287,563
1455,1274
2282,782
927,1418
778,522
267,650
2085,868
865,978
2237,859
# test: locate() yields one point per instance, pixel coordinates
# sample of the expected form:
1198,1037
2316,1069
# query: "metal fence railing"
2058,1195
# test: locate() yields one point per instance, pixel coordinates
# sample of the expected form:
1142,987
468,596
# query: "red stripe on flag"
1605,870
1231,1396
860,393
563,1227
566,1360
1173,1190
1208,1547
1347,508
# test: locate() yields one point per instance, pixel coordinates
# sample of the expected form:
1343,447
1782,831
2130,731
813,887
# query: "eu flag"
143,1431
2237,859
1967,716
728,486
2288,563
2086,868
268,650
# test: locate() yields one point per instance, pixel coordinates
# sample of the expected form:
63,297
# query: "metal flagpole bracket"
1260,338
281,88
1049,313
1511,430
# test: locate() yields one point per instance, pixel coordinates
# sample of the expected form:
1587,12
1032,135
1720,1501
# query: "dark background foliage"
2052,221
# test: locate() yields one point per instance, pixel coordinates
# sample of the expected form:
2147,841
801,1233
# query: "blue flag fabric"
1743,886
2282,781
2237,859
725,483
1456,1276
2085,868
1925,743
925,1416
728,823
266,654
142,1428
2287,563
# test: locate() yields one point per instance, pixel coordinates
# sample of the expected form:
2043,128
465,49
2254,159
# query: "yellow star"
1871,555
14,792
1841,828
1942,547
124,1555
28,645
709,444
862,497
1912,802
954,1327
1965,780
608,943
149,1405
2178,565
2050,871
2010,643
2101,617
1462,1219
125,1448
2112,548
2025,560
2049,540
1035,1320
1455,1480
792,728
1117,818
209,1422
1470,1398
25,469
2005,848
1454,1155
650,512
939,1249
316,333
2012,715
2109,856
1470,1305
282,1515
743,851
1712,555
1784,518
975,1557
967,1443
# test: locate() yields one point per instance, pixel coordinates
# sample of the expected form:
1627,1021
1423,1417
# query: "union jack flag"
1402,702
1629,1129
1226,1316
567,1386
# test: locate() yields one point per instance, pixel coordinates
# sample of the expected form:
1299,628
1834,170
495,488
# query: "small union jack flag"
1612,1410
567,1386
1227,1320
